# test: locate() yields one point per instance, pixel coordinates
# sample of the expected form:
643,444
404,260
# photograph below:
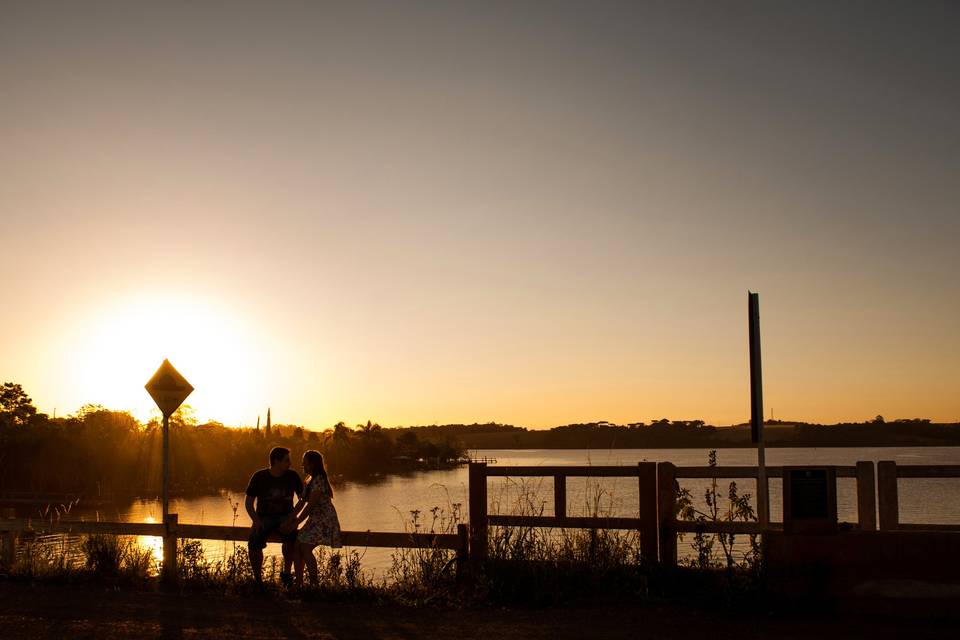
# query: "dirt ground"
88,612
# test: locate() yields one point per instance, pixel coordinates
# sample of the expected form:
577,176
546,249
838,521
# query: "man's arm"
292,521
254,518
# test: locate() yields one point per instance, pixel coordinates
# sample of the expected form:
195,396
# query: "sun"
215,347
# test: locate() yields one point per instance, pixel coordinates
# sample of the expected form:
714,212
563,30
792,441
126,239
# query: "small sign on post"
168,389
809,500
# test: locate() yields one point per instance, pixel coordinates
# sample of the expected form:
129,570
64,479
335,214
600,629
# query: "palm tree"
341,437
371,430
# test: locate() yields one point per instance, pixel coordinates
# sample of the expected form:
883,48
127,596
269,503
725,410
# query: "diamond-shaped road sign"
168,388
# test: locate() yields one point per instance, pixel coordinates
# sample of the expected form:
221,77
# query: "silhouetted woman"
316,507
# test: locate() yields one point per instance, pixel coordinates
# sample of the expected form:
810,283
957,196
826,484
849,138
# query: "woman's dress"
322,525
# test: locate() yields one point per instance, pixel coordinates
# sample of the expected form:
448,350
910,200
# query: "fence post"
887,491
647,471
170,549
478,511
666,510
463,549
560,496
866,497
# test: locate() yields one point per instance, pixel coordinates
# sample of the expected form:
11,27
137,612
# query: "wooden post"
478,511
166,468
9,549
560,496
463,549
666,508
887,491
648,512
866,497
170,549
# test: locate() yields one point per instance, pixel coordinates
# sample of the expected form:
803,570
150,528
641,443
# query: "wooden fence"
11,529
655,520
888,490
658,485
645,522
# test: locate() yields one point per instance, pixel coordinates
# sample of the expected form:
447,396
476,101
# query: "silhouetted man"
273,491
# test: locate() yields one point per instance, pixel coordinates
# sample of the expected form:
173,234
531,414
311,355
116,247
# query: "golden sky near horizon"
468,212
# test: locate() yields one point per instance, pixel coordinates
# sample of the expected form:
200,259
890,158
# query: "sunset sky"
534,213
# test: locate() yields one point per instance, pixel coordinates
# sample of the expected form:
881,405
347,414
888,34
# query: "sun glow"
120,347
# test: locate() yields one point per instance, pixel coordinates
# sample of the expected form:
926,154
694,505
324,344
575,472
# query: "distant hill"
667,434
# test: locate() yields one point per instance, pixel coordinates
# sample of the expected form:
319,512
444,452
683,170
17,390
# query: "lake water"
389,504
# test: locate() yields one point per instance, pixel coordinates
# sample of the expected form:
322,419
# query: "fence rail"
570,522
888,472
748,472
689,526
576,472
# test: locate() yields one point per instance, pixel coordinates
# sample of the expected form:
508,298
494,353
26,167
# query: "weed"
422,575
736,508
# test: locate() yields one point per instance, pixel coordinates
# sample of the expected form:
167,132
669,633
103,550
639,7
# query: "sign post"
756,408
168,389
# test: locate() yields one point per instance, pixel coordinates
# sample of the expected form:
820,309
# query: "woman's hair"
317,469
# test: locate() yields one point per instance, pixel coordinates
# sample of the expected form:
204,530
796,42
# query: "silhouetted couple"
270,504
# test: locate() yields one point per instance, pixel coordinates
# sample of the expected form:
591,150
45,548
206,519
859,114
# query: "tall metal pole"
166,467
756,408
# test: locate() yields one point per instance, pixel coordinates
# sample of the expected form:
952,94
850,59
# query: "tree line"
664,433
98,451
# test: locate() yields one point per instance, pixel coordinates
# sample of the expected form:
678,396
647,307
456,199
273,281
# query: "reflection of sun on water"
154,544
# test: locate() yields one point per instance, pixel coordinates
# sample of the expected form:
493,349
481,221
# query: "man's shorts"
271,525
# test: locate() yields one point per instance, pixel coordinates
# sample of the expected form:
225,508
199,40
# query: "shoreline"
13,499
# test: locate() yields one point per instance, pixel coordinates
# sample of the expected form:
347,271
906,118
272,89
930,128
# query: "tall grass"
425,575
117,558
338,572
228,573
542,565
104,558
44,558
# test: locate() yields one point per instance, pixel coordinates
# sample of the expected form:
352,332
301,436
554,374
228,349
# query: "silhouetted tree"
16,407
409,443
